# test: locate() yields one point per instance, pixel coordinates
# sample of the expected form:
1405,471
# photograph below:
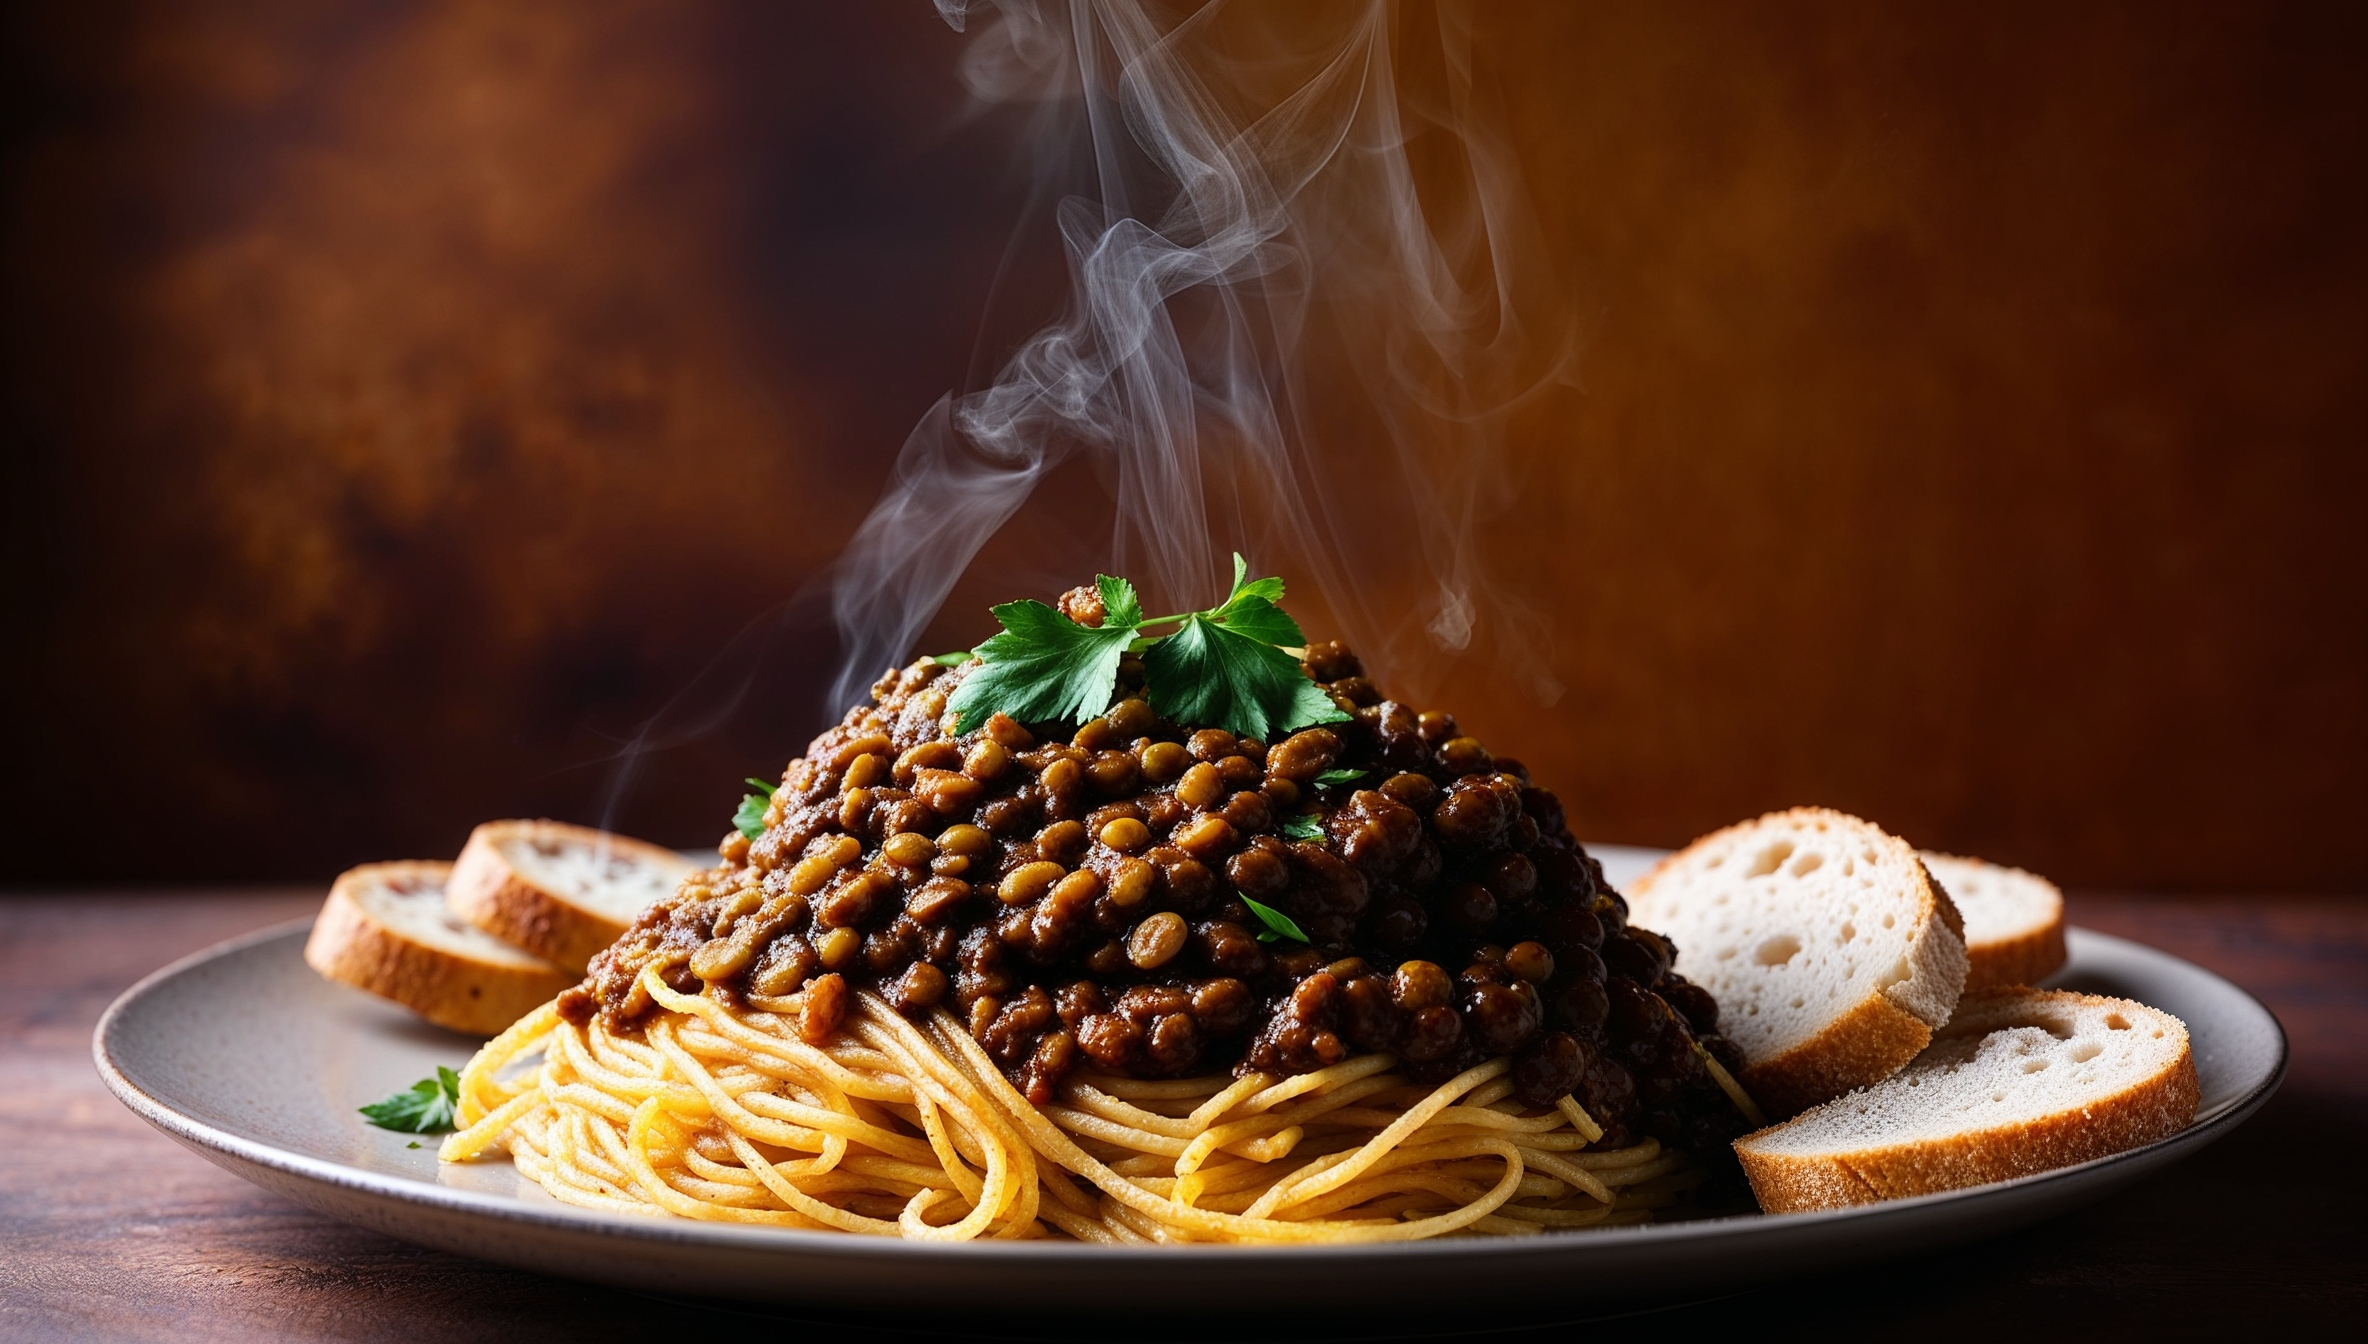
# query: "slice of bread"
1833,955
561,892
2014,921
385,928
2022,1081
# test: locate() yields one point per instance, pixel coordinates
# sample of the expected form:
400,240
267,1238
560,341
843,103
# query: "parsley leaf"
954,659
1270,589
1331,778
1278,925
1250,610
1225,667
1120,605
426,1107
1261,620
750,819
1044,666
1304,826
1214,674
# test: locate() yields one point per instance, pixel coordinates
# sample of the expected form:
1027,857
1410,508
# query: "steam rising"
1267,190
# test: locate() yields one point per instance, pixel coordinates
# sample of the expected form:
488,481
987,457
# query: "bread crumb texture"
2020,1081
2014,920
1832,953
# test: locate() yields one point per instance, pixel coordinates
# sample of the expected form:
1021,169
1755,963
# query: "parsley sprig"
425,1107
1278,925
1233,666
750,819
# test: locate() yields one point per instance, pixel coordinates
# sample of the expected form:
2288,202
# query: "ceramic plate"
245,1056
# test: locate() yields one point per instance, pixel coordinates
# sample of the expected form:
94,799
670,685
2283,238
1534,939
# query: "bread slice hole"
1807,864
2117,1022
1778,950
1770,859
2085,1051
2034,1065
1849,931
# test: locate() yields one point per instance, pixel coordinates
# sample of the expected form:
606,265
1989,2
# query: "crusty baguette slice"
2014,921
1833,955
385,928
2021,1081
561,892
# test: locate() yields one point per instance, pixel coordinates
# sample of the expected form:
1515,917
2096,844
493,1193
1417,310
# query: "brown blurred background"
407,402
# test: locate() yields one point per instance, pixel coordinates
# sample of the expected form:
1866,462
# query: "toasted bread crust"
2024,959
1867,1044
1882,1032
2150,1109
477,997
486,891
2018,961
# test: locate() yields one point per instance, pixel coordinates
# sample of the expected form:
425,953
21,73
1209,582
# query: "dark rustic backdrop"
406,401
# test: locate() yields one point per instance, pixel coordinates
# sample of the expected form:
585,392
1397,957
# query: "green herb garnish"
954,659
1225,667
750,819
1045,666
1278,925
1335,777
1304,826
424,1108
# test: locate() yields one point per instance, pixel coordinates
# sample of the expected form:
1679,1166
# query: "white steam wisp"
1251,206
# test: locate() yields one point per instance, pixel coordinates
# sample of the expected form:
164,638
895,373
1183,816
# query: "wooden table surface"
108,1230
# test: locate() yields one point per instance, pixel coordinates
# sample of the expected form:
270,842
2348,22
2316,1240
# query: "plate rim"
569,1220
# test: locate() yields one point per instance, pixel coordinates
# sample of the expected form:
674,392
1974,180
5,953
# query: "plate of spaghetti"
1068,962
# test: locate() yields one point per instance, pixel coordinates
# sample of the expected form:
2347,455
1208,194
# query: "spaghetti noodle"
902,1127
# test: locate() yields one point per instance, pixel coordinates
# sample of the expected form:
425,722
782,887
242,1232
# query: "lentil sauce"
1075,896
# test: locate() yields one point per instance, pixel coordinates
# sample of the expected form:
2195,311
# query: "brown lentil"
986,761
909,849
1029,881
838,947
1156,941
963,839
1131,882
869,769
1126,835
1205,838
1201,786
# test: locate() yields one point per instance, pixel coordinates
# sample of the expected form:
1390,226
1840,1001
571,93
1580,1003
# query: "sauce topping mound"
1153,899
